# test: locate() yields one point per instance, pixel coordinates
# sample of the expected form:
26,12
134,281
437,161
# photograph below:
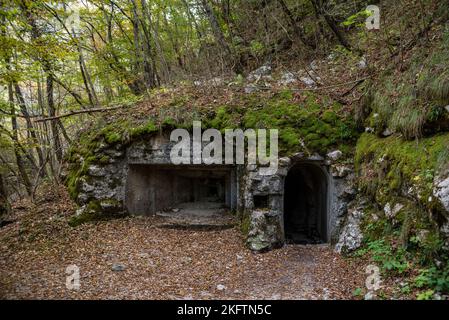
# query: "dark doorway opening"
164,188
305,205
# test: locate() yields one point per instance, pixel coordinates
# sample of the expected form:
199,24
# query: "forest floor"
159,263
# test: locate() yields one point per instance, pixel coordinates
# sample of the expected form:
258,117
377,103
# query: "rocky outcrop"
441,191
351,236
265,230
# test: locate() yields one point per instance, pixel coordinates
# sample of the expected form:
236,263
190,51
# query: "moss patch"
387,166
308,123
96,210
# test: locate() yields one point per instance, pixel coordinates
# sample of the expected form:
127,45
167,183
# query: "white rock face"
334,155
441,191
259,72
351,236
308,81
362,63
390,211
287,78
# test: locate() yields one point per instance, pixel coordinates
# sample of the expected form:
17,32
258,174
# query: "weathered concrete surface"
198,214
141,180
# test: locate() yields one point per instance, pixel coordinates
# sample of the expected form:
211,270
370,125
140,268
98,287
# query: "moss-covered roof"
306,121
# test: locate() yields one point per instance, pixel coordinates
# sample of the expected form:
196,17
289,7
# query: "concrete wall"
266,226
140,179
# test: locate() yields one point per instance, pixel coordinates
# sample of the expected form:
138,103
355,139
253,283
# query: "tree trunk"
31,129
15,137
296,28
91,94
149,65
320,7
52,112
139,86
218,33
4,203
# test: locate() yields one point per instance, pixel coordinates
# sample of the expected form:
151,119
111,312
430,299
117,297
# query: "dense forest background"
60,58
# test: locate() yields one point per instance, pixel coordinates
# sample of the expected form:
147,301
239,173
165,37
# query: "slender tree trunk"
52,112
320,7
138,69
193,21
218,33
296,28
92,96
15,136
147,47
31,129
4,203
20,161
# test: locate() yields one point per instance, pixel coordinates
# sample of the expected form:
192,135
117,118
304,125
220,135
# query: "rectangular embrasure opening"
155,188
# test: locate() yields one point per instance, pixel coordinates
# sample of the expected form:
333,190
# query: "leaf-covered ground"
159,263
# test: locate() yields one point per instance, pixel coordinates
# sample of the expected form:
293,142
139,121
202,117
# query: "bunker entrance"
305,205
182,190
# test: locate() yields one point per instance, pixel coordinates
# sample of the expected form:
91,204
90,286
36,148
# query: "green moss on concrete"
309,122
96,210
245,224
91,213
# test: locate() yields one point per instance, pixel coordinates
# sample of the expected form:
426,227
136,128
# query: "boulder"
441,192
351,236
118,267
334,155
264,231
251,88
287,78
308,81
340,171
255,75
391,211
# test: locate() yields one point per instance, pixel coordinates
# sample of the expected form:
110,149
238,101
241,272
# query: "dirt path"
162,263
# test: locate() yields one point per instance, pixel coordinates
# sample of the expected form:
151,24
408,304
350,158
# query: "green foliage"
416,101
426,295
433,277
385,165
318,124
391,260
357,19
257,48
358,292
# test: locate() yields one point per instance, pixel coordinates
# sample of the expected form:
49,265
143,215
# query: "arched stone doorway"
305,204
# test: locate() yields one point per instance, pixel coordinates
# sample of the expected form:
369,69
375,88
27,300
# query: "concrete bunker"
305,201
181,189
306,204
